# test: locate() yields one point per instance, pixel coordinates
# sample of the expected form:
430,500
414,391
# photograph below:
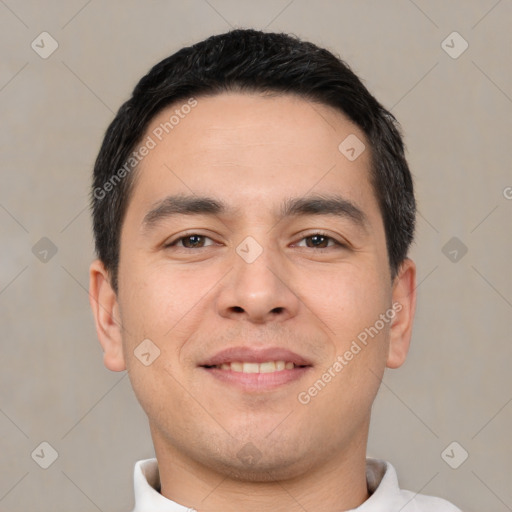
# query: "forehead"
251,151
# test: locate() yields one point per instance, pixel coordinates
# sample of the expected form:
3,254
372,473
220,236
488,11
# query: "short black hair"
246,60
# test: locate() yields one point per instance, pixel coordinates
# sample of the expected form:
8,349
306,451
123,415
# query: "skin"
252,152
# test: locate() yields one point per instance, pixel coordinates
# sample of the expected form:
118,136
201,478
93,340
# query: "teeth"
251,367
266,367
236,367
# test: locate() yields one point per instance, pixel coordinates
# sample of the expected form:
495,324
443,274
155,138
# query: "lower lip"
258,381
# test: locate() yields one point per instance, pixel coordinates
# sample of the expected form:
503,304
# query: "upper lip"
252,355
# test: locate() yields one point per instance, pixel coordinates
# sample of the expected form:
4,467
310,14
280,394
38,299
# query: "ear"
105,309
404,304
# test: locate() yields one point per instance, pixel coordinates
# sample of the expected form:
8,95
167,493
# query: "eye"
314,241
191,241
320,241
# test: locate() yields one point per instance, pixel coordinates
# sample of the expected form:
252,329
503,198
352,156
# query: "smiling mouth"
252,367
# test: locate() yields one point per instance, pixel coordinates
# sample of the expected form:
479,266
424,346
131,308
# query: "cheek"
168,306
159,306
159,297
347,300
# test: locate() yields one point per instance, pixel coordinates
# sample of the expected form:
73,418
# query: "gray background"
456,114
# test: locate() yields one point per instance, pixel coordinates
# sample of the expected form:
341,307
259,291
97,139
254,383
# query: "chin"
249,465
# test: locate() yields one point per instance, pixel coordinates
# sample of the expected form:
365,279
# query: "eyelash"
316,233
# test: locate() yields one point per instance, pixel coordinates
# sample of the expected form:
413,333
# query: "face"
263,286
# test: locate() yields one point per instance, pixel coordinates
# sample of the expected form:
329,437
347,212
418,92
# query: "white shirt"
381,477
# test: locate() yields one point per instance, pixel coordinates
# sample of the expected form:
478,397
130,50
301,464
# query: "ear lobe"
105,308
404,301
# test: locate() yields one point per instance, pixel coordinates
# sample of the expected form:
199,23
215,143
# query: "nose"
259,290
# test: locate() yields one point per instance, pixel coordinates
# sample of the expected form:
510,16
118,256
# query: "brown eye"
192,241
320,241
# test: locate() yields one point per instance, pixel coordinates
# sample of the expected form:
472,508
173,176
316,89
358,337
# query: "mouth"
250,367
253,370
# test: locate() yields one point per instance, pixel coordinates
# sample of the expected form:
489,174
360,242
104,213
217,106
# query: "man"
253,210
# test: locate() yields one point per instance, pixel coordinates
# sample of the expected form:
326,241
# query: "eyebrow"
332,204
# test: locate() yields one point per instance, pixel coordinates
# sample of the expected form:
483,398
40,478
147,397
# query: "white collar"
380,475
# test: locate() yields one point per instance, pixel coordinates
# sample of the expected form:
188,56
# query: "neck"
339,483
